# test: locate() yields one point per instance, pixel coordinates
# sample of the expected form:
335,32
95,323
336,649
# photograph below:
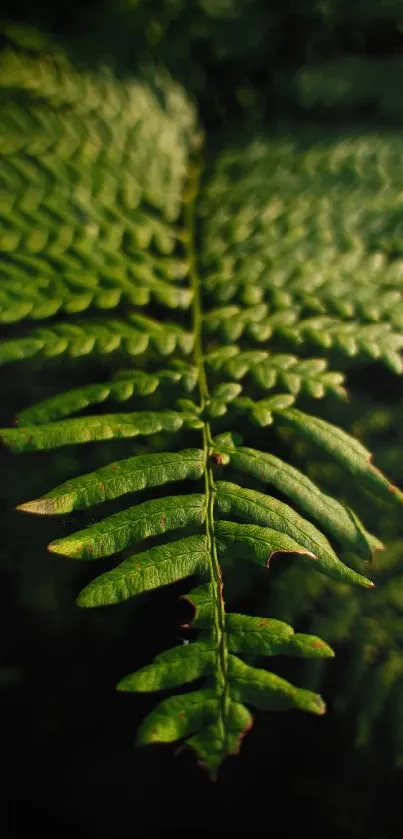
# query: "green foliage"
353,81
116,479
367,633
103,209
87,202
337,519
243,56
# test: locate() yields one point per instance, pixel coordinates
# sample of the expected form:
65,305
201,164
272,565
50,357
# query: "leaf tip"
325,650
41,508
377,546
396,492
314,704
320,707
65,548
83,600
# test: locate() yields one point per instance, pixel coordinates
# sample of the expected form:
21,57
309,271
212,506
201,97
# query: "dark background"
69,766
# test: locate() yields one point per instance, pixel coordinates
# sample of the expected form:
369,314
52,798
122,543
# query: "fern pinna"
102,209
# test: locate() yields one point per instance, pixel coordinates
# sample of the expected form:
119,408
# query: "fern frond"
222,728
103,197
310,225
83,195
122,387
132,336
266,370
350,337
89,429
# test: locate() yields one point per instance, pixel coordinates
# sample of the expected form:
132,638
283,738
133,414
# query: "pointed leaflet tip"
396,492
308,646
64,548
40,507
320,707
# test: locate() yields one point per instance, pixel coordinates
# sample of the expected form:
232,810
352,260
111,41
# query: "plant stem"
216,577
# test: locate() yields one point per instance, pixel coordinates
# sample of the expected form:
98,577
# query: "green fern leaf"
270,692
173,668
100,197
156,567
133,337
269,370
124,386
260,544
73,401
344,448
89,429
337,520
116,532
261,509
116,479
259,637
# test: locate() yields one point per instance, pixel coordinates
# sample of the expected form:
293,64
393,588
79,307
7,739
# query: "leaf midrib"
199,360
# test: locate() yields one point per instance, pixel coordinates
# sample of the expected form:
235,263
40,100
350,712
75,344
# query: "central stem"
216,577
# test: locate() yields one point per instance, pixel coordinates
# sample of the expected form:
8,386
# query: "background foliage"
244,61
